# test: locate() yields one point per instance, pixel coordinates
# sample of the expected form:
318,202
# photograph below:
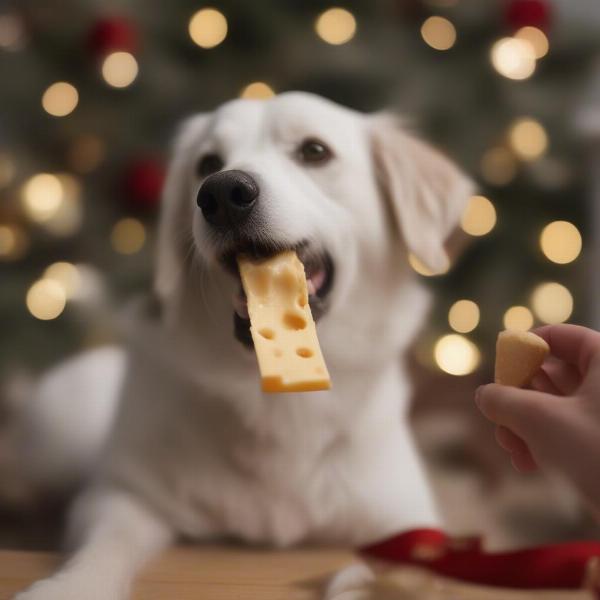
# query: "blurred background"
90,94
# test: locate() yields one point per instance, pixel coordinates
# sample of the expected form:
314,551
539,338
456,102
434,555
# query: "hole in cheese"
294,321
287,281
304,352
267,333
302,301
278,352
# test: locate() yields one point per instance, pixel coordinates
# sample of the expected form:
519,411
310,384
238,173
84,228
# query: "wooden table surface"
219,573
204,573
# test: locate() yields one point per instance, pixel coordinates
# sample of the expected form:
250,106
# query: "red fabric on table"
558,566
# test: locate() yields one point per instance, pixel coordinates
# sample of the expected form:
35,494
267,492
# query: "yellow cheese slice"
519,355
281,324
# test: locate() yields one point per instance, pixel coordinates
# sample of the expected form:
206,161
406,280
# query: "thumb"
519,410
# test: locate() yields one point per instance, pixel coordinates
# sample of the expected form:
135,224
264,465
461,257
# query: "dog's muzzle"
229,204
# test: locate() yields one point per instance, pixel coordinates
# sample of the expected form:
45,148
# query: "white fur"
196,449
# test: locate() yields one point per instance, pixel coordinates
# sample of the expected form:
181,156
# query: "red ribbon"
569,565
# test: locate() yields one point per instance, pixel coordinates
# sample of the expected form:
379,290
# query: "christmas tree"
91,95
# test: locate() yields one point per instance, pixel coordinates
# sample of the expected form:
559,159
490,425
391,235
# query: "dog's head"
349,192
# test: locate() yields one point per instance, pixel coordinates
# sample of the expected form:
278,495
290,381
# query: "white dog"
190,445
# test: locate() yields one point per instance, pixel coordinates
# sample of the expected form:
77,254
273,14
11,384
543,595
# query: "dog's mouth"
318,267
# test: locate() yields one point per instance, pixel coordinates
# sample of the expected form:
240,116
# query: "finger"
574,344
524,463
563,376
517,409
508,440
542,383
521,456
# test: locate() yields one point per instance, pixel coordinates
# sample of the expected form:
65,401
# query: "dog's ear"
427,192
175,227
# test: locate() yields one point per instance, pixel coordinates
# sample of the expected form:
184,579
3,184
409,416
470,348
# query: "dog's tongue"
313,283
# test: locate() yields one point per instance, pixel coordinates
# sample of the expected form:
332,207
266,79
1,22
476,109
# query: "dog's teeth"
240,306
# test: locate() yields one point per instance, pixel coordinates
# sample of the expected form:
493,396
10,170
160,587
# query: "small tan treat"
281,324
519,355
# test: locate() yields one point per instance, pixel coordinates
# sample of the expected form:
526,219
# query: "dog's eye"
208,164
314,152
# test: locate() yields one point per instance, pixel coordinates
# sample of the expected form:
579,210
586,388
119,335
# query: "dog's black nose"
227,198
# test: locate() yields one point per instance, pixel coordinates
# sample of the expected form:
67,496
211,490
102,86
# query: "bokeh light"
479,217
68,217
52,200
498,166
528,139
537,38
7,170
513,58
46,299
91,288
128,236
67,220
258,90
456,355
8,241
439,33
561,242
66,275
336,26
208,28
552,302
12,32
13,242
463,316
60,99
418,266
519,318
119,69
42,196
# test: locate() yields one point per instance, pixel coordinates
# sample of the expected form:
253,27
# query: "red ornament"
569,565
112,34
521,13
142,183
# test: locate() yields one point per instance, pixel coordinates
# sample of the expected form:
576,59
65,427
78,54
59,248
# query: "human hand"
556,423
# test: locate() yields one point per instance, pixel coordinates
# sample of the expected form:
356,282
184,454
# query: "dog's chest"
277,487
276,490
264,469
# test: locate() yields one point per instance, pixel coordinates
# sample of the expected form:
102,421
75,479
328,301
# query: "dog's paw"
65,588
52,589
352,583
